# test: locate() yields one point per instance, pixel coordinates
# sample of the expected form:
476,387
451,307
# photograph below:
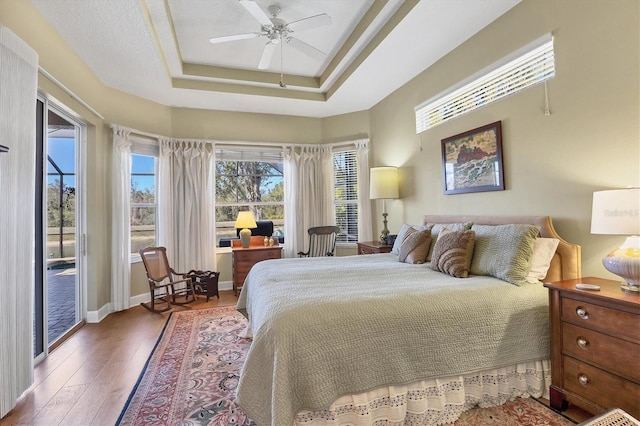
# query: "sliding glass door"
59,289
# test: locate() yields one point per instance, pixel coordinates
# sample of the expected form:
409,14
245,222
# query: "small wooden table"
373,247
245,258
595,346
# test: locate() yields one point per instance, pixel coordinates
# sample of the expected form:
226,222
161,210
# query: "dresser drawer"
612,354
605,389
620,323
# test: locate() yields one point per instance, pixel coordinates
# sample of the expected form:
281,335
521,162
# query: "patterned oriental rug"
192,375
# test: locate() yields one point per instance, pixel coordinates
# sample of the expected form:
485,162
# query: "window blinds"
250,153
524,68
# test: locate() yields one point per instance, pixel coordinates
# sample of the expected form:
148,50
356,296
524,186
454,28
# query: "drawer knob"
582,313
582,342
583,379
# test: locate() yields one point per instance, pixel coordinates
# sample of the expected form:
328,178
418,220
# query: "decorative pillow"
415,246
453,252
403,230
504,251
543,251
436,227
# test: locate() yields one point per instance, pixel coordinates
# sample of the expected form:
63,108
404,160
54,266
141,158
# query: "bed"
371,339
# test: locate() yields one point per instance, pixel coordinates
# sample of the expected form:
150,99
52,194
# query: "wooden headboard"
566,263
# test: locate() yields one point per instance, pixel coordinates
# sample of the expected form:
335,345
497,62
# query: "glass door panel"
62,288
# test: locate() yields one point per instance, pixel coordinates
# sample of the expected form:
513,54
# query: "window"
345,198
248,179
524,68
143,201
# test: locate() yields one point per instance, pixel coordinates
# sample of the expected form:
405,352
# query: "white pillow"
543,251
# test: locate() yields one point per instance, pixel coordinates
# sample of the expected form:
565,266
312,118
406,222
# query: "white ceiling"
159,49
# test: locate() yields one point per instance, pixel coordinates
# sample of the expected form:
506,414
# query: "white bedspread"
311,318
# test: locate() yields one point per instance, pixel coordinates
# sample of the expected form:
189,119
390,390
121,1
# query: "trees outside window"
143,202
248,185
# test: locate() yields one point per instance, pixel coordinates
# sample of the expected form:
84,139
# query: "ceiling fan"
277,31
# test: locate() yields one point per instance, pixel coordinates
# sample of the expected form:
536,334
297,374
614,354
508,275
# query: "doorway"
59,287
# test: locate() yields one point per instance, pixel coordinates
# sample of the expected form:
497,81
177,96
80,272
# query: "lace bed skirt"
434,401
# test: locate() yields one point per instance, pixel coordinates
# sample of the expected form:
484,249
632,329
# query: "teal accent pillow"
504,251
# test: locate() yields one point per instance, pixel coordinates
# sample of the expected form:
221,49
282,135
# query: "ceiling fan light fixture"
277,31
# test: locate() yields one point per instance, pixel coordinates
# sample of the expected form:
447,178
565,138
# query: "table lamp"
245,221
384,185
617,212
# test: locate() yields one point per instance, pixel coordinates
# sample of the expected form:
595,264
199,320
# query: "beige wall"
552,164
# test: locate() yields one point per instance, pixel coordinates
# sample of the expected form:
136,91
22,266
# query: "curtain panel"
308,192
121,221
18,94
186,221
365,225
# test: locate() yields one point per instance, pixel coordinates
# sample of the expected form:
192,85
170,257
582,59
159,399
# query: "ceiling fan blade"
233,37
267,54
257,12
306,48
310,22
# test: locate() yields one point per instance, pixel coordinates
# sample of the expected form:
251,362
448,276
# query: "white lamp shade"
616,212
384,183
245,219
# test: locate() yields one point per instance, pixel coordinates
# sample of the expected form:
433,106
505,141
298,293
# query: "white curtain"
121,221
18,92
186,203
365,225
308,192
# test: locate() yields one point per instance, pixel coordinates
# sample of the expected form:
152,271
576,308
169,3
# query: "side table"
595,346
373,247
245,258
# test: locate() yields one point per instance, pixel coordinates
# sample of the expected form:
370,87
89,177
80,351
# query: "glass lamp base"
625,262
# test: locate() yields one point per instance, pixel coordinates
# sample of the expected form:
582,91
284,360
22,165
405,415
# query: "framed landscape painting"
472,161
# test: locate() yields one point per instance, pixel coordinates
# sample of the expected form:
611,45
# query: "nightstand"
245,258
595,346
373,247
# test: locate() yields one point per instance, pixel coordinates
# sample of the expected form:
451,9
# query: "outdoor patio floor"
61,301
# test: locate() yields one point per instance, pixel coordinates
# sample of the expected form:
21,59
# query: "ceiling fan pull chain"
282,67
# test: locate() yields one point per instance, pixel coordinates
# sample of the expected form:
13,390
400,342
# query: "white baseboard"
140,298
100,314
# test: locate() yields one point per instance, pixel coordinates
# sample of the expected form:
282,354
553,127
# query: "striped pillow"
415,246
452,252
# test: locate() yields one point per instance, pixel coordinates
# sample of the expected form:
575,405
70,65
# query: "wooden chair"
165,284
322,241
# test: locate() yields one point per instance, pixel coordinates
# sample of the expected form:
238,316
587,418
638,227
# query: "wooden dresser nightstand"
595,346
373,247
245,258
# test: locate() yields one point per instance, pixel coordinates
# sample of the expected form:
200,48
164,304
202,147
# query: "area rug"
192,375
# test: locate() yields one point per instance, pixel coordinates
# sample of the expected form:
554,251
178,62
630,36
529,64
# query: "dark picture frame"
472,161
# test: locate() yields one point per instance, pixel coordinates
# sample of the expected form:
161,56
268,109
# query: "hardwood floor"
87,379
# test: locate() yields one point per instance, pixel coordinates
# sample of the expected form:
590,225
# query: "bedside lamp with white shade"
617,212
384,186
244,221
